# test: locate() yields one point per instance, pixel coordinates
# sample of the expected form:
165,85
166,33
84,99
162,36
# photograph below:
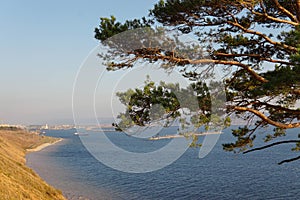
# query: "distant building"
45,127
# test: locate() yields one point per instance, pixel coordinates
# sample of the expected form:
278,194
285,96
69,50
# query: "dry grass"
17,181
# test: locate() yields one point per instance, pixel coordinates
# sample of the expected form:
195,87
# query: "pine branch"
289,160
148,54
275,19
285,11
257,56
270,145
266,119
267,39
296,112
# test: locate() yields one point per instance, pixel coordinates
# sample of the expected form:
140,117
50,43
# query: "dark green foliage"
278,132
140,102
163,101
10,128
244,140
255,42
297,147
109,27
195,143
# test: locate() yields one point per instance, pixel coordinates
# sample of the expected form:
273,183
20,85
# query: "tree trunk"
297,6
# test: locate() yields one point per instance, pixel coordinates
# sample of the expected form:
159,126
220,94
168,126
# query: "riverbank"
17,181
42,146
183,136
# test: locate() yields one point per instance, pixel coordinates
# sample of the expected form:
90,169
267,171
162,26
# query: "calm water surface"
220,175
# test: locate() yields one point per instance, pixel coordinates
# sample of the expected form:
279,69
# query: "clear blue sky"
43,43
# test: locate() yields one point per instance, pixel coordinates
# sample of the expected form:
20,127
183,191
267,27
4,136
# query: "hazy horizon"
43,44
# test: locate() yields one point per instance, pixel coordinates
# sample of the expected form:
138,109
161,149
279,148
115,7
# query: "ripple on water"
220,175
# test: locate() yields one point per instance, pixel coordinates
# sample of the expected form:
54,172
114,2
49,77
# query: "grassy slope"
17,181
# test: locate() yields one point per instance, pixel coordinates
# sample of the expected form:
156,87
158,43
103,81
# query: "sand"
42,146
182,136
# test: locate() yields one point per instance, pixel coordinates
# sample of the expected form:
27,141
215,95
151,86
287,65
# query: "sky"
43,45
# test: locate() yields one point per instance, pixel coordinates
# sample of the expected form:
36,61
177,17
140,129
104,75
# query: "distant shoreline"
181,136
42,146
